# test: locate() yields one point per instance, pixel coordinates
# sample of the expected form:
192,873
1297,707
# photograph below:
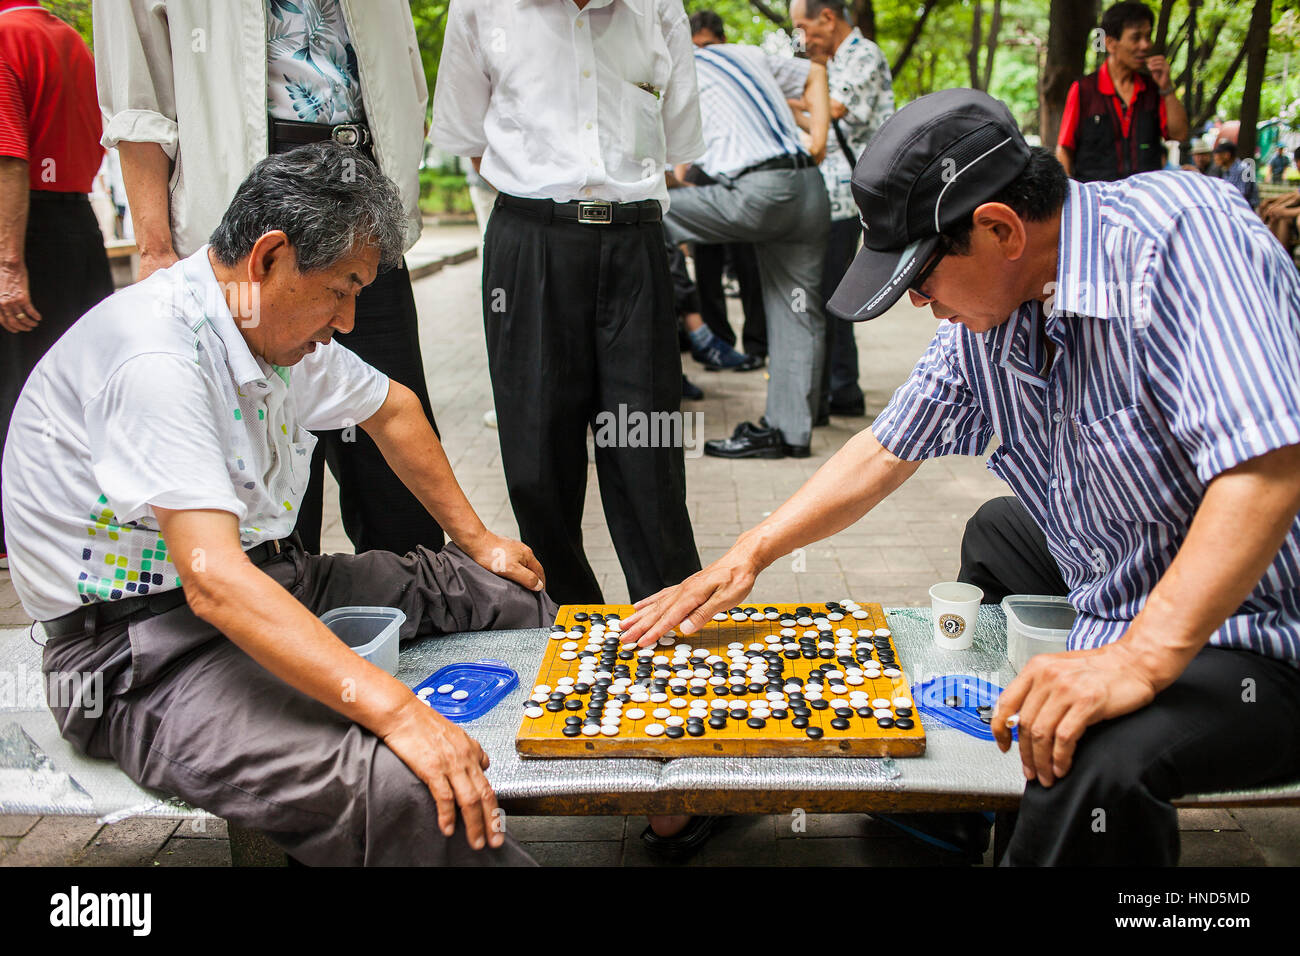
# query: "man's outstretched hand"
508,558
1058,696
691,604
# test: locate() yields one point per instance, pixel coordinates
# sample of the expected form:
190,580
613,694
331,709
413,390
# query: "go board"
780,680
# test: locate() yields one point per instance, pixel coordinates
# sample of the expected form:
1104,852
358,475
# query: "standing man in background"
192,105
862,97
1116,120
570,109
52,262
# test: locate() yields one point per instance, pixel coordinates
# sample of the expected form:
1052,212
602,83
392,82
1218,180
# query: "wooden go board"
627,703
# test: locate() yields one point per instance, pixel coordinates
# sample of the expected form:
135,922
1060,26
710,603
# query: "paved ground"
892,556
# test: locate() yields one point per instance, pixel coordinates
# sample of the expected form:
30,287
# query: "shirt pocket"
1130,474
642,128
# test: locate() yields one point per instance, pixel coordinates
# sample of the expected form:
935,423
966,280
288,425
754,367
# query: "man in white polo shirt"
152,474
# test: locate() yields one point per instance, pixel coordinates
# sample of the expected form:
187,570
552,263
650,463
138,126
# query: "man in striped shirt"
1135,348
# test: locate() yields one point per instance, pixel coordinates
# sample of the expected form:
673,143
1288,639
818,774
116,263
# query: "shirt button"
1055,482
1057,416
586,192
588,125
1074,543
586,73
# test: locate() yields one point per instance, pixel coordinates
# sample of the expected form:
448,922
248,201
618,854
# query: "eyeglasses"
921,277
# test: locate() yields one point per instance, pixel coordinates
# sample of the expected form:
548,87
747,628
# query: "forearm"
856,479
1241,523
14,201
145,173
1065,157
817,96
1176,123
278,632
415,454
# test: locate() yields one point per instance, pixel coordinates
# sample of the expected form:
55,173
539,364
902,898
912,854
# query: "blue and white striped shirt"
743,106
1176,317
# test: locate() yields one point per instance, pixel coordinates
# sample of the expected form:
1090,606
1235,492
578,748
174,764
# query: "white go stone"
677,703
675,720
860,615
590,730
448,688
892,672
882,712
533,712
902,702
459,694
609,730
634,713
660,713
654,730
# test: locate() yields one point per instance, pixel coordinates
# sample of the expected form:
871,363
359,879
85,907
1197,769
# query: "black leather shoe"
748,441
797,451
848,409
683,845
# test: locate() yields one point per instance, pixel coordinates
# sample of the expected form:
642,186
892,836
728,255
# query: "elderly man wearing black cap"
1134,347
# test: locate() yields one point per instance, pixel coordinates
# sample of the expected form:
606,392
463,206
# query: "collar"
1017,346
636,6
1107,88
1082,278
852,38
210,302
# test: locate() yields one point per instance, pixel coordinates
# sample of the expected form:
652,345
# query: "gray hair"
328,199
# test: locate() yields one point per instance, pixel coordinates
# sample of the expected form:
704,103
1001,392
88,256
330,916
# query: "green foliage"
443,193
75,13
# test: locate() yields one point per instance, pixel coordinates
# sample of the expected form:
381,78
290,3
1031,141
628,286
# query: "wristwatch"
1165,92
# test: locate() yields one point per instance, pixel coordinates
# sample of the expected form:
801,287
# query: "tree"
910,43
1069,26
980,77
1257,54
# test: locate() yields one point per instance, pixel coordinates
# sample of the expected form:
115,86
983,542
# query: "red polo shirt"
49,109
1070,118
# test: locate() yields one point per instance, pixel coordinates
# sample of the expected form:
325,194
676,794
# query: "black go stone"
904,711
801,721
814,733
828,654
755,688
884,723
572,730
676,732
696,730
801,711
840,723
699,691
718,723
573,704
573,721
820,704
791,655
758,723
718,713
554,705
780,714
843,711
904,723
739,714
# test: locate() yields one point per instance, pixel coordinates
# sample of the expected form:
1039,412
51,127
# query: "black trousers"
840,371
710,264
67,273
379,512
579,321
1231,721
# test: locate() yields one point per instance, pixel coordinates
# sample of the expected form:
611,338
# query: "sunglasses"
923,276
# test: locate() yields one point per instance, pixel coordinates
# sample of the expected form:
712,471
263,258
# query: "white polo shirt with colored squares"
153,398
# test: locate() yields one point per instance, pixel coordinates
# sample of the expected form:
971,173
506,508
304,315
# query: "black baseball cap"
927,168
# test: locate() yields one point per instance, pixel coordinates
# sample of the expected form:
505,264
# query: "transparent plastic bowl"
370,631
1036,624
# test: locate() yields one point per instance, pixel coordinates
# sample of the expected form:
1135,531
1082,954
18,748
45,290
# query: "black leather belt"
93,617
797,161
597,212
286,134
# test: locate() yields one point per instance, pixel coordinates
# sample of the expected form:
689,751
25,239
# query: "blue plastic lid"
486,682
931,700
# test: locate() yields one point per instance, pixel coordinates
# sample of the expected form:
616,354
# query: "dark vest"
1101,151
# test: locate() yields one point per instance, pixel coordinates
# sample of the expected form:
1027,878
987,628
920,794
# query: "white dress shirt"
191,75
566,104
153,398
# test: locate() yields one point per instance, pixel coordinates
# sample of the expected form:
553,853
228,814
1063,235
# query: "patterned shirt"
1176,319
1241,176
154,398
311,68
858,76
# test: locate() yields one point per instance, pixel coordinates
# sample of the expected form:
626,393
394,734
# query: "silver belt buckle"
348,134
596,211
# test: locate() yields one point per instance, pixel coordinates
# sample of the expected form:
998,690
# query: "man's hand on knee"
508,558
451,763
1058,696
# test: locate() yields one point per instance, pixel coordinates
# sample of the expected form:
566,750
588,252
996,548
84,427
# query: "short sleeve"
1069,118
154,439
333,388
866,90
133,72
683,126
13,114
1223,344
791,74
934,413
462,91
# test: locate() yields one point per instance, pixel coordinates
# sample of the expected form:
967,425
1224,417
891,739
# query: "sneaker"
718,356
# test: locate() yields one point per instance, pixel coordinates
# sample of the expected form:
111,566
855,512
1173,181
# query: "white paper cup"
956,607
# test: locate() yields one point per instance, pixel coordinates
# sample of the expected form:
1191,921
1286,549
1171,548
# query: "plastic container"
1036,624
483,684
956,699
370,631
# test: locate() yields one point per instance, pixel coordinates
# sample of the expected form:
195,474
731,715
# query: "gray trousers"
786,214
189,713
